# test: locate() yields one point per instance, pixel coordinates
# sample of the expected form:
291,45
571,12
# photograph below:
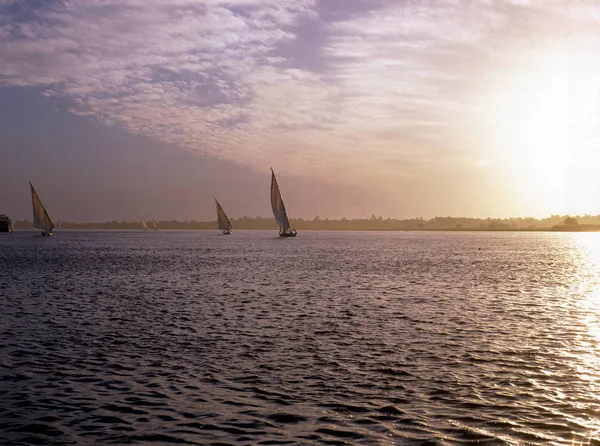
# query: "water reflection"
399,338
588,263
586,352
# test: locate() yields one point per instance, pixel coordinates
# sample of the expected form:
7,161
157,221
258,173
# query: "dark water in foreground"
329,338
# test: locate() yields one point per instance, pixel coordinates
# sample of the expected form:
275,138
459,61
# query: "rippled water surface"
328,338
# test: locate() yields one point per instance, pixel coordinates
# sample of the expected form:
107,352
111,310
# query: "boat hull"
226,232
46,234
291,233
5,224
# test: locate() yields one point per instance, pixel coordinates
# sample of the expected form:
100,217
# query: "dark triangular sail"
41,219
277,204
222,220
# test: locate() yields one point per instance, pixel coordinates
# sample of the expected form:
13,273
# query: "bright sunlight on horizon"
393,108
545,116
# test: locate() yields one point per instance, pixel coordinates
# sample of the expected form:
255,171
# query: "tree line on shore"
554,222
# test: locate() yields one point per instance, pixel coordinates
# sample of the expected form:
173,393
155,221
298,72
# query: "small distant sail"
154,225
144,225
222,220
41,219
277,204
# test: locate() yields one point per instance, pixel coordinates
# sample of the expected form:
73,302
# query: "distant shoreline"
572,229
554,223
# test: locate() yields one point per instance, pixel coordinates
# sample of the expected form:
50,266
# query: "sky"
129,109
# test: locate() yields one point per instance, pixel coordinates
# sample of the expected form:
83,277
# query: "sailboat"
222,220
41,219
144,225
285,229
154,225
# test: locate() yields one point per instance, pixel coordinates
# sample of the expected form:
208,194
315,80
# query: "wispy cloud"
185,72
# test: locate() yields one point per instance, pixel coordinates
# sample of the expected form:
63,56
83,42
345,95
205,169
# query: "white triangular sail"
154,225
41,219
277,204
144,225
222,220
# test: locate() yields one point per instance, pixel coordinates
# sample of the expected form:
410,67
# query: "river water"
328,338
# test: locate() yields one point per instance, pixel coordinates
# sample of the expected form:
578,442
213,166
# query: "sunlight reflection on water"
588,349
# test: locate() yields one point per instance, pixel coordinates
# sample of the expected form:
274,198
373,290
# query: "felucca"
222,220
144,225
41,219
285,229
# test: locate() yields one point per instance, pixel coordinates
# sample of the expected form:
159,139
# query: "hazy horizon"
446,221
126,109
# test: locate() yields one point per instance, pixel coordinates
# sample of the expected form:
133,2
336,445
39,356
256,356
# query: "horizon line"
318,217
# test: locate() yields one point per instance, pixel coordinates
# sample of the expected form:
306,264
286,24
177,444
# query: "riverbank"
586,223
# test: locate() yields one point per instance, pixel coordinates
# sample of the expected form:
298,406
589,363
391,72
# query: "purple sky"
129,109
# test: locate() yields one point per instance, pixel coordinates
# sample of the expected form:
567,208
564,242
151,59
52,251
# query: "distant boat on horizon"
154,225
144,225
222,219
285,229
41,219
5,223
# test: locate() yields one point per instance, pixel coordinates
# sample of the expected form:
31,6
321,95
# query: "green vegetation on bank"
552,223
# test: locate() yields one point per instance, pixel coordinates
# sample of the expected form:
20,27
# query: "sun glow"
543,119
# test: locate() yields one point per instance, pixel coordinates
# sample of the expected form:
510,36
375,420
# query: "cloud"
418,71
180,71
396,90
